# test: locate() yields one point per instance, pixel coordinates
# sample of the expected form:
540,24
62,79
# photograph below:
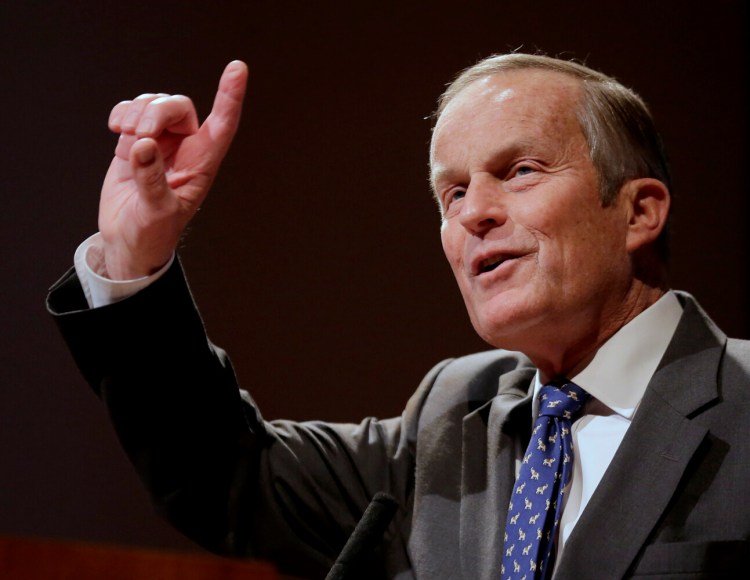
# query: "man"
554,196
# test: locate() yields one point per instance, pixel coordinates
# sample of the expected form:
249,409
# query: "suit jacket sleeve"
289,492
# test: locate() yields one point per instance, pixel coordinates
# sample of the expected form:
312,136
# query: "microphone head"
365,537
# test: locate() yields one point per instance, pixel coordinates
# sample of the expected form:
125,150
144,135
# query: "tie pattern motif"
537,499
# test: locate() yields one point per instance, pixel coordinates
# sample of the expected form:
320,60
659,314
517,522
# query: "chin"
508,326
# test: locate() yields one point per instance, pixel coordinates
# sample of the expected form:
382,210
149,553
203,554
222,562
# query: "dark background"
316,260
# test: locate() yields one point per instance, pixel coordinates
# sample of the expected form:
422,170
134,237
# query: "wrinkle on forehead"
486,89
563,94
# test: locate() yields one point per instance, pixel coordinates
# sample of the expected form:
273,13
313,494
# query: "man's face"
534,252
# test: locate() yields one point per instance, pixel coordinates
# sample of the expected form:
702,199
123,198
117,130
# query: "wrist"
99,288
115,263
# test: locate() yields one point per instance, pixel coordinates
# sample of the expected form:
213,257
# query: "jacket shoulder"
460,385
477,375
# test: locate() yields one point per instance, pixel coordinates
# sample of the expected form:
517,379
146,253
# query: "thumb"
148,170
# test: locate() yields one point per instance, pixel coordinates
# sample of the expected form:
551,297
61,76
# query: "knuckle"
171,109
118,110
184,104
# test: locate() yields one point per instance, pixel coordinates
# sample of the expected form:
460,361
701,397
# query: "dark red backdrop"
317,259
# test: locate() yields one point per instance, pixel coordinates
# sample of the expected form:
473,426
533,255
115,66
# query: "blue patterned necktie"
537,500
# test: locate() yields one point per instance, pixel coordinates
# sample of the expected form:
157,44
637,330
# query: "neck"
585,341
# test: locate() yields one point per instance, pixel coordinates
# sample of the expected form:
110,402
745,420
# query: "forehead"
523,105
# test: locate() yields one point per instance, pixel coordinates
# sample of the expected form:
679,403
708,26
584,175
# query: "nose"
483,206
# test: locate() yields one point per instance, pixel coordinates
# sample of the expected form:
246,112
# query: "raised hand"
164,165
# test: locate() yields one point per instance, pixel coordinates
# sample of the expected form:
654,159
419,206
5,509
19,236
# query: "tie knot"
561,400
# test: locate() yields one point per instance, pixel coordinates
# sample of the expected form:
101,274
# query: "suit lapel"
652,458
490,448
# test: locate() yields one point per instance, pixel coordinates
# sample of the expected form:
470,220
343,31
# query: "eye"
454,196
522,170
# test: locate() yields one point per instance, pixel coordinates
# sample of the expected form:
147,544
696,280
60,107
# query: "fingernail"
234,67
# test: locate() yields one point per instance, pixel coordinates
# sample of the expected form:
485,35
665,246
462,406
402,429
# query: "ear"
648,202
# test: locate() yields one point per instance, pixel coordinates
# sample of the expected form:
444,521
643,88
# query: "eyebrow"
437,174
498,157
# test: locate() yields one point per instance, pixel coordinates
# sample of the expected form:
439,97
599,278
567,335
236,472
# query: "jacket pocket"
692,560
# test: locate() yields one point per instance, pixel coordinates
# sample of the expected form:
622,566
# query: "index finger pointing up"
224,118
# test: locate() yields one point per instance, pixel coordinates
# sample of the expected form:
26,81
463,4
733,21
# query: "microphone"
365,537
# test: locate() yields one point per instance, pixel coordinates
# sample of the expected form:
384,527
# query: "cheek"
452,247
565,255
591,257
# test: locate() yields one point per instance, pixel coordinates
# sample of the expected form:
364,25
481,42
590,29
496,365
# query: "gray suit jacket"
671,502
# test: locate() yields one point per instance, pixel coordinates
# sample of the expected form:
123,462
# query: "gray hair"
619,130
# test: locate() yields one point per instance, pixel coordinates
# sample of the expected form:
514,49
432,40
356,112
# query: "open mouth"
491,263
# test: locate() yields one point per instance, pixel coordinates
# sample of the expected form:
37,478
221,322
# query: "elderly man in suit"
554,196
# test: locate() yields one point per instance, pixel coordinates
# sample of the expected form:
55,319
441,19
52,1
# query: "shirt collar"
623,366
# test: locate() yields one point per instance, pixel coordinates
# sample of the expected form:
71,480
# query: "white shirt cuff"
91,271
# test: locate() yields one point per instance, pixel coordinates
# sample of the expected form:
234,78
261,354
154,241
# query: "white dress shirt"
616,379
